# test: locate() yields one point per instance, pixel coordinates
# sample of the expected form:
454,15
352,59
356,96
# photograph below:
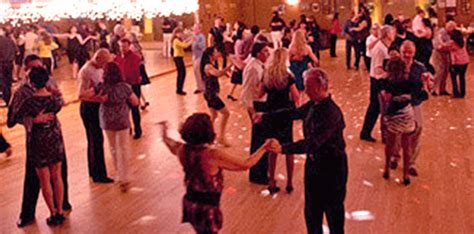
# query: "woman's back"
279,98
197,171
114,114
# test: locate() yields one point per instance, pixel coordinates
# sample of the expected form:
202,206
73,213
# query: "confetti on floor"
468,126
244,129
453,164
358,149
368,184
397,180
265,193
275,196
136,189
362,215
231,190
141,156
240,137
452,128
378,158
157,172
281,176
247,149
144,220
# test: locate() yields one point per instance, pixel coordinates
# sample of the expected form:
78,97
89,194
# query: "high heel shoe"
145,106
232,98
289,189
386,175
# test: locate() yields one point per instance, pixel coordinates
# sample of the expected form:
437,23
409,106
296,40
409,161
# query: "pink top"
335,27
459,55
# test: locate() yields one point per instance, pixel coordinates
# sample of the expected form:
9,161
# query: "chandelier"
54,10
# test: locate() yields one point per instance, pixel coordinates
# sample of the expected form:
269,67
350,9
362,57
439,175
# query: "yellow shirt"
46,51
179,46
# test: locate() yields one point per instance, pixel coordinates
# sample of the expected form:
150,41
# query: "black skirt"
144,75
237,77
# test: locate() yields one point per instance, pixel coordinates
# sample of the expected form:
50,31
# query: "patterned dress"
45,145
203,193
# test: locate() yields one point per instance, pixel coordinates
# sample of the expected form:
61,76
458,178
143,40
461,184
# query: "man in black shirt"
352,40
216,35
326,163
277,25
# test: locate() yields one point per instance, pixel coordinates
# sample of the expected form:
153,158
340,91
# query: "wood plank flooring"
440,200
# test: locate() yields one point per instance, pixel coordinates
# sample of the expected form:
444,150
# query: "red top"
130,66
335,27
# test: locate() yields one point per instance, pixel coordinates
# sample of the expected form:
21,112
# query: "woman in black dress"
281,94
45,144
77,52
210,76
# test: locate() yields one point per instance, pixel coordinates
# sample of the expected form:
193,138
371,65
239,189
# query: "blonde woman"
45,50
281,91
301,57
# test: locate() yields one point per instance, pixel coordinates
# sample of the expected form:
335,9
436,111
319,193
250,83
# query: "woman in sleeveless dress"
281,92
210,76
76,49
45,144
203,166
301,58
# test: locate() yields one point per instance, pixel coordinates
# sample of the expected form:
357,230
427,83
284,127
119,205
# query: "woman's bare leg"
46,189
290,165
55,171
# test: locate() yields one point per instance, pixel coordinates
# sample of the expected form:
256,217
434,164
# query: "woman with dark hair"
203,166
334,31
76,49
459,62
398,115
45,145
388,20
237,59
114,116
179,44
424,45
210,75
313,35
277,24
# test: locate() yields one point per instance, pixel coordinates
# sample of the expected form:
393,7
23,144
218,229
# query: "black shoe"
67,207
23,222
59,218
434,93
259,181
182,93
386,175
368,138
137,135
393,164
274,189
53,220
230,97
289,189
105,180
197,91
406,181
412,171
444,93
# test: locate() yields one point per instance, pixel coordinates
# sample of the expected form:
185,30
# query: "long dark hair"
240,31
112,74
458,38
206,58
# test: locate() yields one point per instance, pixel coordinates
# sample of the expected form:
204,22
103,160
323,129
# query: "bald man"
90,78
417,73
326,163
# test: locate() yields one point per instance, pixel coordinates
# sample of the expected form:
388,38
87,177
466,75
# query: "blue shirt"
199,46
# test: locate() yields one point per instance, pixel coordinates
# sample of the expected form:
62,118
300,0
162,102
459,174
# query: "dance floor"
440,200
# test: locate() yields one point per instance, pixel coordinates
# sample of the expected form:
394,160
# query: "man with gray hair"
377,74
326,163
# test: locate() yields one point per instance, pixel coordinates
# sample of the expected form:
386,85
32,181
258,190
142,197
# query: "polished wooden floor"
440,200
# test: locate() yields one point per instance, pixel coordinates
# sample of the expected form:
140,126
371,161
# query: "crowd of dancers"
281,81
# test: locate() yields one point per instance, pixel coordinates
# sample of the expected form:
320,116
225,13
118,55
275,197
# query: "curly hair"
198,130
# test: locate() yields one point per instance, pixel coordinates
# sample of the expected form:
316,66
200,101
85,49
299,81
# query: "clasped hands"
272,145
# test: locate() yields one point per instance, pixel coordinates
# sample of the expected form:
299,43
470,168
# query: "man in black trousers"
90,78
326,163
31,185
7,57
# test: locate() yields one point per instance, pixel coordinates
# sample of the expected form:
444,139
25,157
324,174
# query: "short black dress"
45,144
237,76
211,92
277,99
